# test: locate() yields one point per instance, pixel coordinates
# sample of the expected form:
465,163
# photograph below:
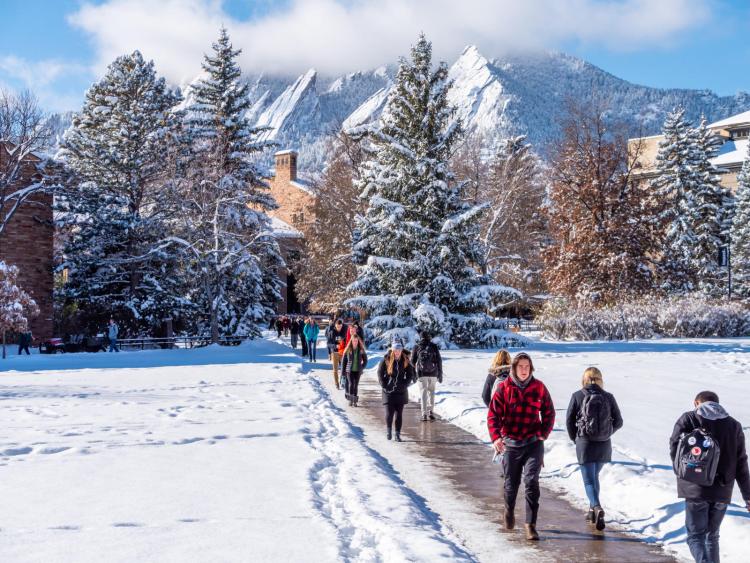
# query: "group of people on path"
707,448
299,328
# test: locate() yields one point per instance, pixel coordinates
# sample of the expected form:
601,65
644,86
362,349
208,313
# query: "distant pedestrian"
593,416
395,374
301,330
353,363
279,327
335,336
24,341
294,331
113,331
699,436
428,365
521,416
285,325
311,335
498,372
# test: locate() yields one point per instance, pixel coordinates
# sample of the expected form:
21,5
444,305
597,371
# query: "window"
741,133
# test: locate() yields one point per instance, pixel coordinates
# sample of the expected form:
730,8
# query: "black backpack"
697,457
427,365
595,417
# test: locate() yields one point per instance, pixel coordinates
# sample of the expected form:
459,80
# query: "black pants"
303,340
527,461
398,412
352,385
22,347
702,520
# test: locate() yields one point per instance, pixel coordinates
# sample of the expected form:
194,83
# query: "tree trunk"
214,325
3,345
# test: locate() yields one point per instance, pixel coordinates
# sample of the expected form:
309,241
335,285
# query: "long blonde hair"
592,375
502,358
361,345
391,359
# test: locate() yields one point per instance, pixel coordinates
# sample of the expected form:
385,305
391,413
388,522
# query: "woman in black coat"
353,364
498,372
593,451
395,374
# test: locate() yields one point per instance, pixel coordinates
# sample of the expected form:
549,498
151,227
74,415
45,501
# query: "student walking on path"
335,336
521,416
593,416
301,330
311,335
113,331
499,372
701,435
395,374
294,332
353,363
428,365
24,341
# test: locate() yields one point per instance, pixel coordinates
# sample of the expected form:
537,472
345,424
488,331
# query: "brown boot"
531,533
509,519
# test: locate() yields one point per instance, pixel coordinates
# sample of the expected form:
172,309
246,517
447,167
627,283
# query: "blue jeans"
113,345
590,473
702,520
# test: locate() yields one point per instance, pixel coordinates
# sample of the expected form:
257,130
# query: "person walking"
428,365
24,341
335,336
353,363
520,418
706,504
301,331
285,325
113,331
294,331
395,374
593,416
311,335
498,372
279,327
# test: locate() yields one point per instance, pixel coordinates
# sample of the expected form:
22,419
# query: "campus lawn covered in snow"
654,382
217,454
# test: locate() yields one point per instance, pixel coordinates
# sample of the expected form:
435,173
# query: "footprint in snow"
16,451
187,441
54,450
127,525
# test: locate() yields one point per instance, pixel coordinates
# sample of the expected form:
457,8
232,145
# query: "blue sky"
59,47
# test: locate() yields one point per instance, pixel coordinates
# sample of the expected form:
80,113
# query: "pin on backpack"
697,457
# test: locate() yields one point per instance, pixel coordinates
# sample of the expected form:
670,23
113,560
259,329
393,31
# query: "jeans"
702,520
396,411
590,473
113,345
335,358
311,349
294,340
527,461
427,386
352,386
22,347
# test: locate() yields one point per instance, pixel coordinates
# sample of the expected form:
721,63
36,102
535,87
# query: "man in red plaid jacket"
520,418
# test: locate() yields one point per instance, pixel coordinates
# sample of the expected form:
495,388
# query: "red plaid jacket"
521,413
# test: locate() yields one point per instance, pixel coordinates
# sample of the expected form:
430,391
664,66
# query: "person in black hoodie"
593,451
705,507
294,331
353,363
499,371
395,374
300,329
428,366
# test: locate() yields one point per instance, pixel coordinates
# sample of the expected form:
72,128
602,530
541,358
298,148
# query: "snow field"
654,382
241,459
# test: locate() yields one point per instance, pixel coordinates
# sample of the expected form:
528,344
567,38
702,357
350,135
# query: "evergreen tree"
417,245
229,252
116,215
740,234
675,188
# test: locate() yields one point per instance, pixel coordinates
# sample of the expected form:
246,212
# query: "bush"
684,317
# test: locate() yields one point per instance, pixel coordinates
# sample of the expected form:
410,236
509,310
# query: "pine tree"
417,245
740,234
229,252
15,304
117,214
675,188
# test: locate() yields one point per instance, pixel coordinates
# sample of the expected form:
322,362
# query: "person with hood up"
499,371
395,374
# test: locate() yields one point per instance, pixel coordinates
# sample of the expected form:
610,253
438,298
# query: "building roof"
282,229
731,152
287,151
739,119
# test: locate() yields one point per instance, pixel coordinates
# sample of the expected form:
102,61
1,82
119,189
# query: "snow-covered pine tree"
675,187
712,206
228,248
15,304
418,246
116,214
740,234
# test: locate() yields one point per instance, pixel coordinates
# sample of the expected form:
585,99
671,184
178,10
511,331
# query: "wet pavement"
465,463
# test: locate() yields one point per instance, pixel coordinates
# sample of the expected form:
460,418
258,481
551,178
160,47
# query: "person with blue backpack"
593,416
708,454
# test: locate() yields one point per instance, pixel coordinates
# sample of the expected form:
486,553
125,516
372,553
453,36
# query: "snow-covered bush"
692,316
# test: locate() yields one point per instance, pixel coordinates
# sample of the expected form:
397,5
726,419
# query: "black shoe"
599,512
388,435
591,516
351,403
432,416
398,437
531,533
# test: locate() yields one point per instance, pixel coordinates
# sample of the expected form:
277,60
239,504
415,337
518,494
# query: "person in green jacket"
311,332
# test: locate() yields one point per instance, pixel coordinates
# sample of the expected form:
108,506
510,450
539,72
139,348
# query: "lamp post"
725,261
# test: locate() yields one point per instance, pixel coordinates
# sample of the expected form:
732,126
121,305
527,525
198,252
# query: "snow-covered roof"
282,229
303,185
739,119
287,151
731,152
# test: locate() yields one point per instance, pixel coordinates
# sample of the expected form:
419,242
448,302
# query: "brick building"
27,243
295,198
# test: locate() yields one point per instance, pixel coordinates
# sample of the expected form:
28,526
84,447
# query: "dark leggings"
398,411
352,384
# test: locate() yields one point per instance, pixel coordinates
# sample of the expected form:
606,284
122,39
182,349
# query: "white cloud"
337,36
42,77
